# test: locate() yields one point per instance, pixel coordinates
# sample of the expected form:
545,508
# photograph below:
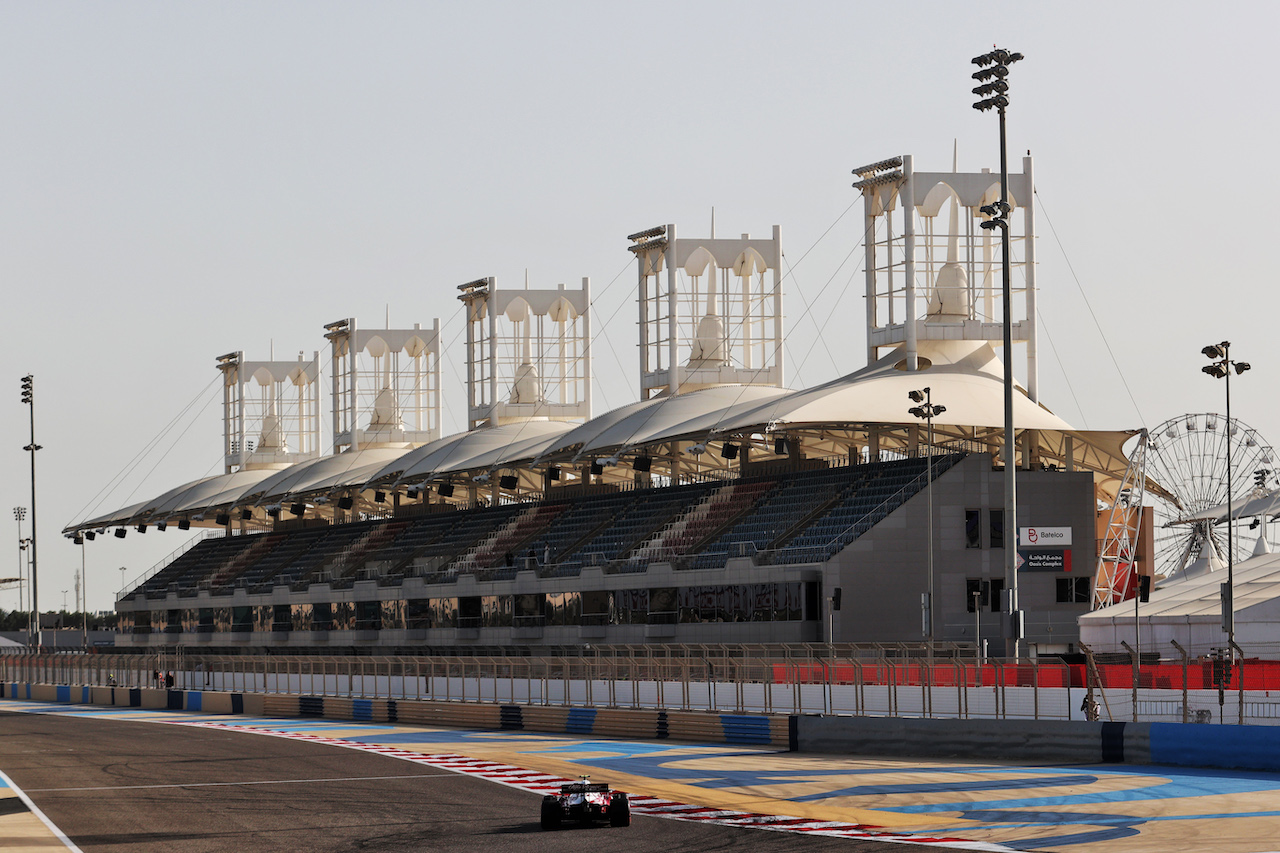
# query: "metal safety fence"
865,680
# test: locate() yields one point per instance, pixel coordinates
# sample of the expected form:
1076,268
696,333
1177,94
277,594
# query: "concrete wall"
1032,741
1048,741
883,572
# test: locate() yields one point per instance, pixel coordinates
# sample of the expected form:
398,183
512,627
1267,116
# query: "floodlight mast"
1221,367
28,399
994,67
927,412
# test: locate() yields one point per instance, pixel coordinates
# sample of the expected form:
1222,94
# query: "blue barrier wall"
1192,745
743,729
580,721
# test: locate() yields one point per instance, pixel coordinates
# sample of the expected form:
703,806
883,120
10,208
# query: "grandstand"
721,507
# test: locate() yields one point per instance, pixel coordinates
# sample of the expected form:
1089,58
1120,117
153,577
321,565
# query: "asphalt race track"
140,787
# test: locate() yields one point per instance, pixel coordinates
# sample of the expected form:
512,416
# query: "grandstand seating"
787,518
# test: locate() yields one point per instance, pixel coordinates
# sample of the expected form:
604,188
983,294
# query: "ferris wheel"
1187,457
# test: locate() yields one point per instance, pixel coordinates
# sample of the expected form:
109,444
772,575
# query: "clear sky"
178,181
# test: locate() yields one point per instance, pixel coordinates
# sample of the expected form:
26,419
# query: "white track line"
35,811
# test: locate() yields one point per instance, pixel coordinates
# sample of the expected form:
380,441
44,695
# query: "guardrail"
850,680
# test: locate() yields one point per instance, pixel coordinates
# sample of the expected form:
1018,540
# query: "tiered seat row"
700,523
803,516
646,512
861,508
777,513
503,544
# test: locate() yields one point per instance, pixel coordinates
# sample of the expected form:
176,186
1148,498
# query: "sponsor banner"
1046,560
1044,537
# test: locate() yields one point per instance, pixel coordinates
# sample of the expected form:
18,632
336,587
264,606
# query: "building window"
997,528
976,592
987,593
1075,590
973,528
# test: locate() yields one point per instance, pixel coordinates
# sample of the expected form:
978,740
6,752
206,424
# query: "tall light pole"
928,412
19,513
28,398
994,93
1221,369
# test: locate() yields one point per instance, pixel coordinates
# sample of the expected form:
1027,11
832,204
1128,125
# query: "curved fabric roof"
210,492
114,518
965,376
661,419
1268,505
488,448
327,473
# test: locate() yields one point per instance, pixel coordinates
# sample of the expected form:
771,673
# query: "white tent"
1189,611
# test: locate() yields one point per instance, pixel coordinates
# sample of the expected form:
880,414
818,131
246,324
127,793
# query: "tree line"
16,620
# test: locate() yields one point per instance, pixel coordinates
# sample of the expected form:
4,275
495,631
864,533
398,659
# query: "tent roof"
487,448
661,419
214,491
965,376
1266,504
327,473
114,518
1256,583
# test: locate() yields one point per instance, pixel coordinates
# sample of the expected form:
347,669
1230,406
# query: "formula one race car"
585,802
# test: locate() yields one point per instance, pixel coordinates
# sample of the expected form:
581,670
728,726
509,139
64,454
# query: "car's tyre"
619,810
550,813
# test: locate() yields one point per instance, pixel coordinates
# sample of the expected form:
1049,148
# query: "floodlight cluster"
993,68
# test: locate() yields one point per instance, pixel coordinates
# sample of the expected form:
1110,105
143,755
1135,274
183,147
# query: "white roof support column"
528,352
586,340
673,312
352,386
335,404
493,352
233,426
437,401
869,241
777,308
907,198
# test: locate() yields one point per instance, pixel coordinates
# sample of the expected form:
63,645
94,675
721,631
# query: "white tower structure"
270,411
392,376
710,311
528,353
930,280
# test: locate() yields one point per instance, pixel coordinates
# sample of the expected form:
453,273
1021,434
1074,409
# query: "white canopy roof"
662,419
1260,505
485,448
328,473
965,376
111,519
210,492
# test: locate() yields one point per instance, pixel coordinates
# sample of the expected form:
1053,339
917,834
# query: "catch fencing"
880,680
